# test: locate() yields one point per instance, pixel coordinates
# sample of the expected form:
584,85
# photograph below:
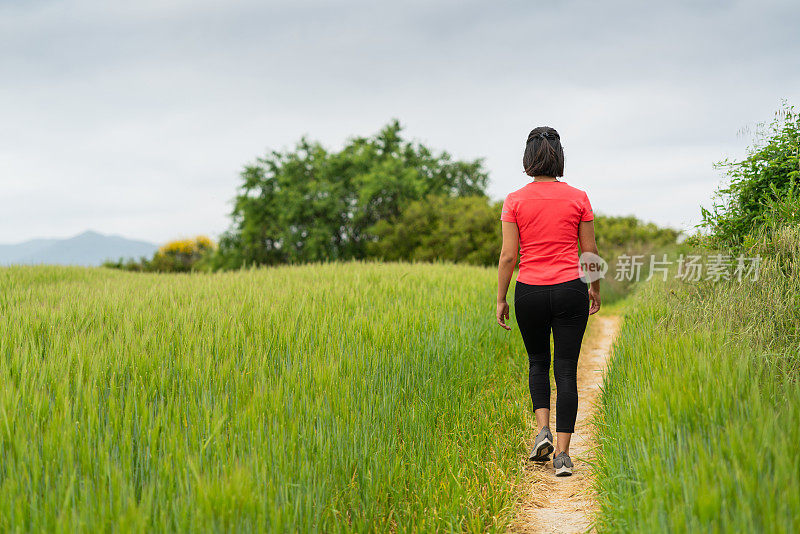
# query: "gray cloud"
136,119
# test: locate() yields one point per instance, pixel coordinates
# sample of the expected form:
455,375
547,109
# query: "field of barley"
330,397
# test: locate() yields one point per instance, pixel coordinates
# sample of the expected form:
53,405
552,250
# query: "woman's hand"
594,299
502,314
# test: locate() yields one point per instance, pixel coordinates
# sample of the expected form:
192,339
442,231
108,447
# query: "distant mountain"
89,248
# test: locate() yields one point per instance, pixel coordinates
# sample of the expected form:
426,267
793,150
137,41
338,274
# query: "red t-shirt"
547,215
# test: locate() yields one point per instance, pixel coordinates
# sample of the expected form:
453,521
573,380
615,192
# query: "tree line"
378,198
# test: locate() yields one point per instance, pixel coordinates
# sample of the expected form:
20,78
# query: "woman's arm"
588,244
505,269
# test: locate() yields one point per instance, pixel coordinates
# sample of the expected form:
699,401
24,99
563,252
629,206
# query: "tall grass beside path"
698,420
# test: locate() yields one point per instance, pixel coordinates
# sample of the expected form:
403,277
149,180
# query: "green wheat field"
333,397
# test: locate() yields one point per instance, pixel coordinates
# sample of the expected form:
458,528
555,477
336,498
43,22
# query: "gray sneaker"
562,464
543,446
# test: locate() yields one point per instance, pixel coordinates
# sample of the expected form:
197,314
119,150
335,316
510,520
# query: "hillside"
87,249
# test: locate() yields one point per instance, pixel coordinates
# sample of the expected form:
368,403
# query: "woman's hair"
544,155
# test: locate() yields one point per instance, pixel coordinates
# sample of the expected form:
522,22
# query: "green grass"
336,398
698,422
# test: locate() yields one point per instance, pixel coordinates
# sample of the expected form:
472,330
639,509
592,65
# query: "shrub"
763,188
181,255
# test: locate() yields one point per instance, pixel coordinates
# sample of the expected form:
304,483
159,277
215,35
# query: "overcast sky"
135,118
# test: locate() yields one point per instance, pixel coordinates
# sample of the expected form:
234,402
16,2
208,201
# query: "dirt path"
566,504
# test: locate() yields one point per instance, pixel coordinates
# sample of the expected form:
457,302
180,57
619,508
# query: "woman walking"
544,222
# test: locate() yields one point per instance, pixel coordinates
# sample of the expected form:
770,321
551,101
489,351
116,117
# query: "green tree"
311,204
621,234
462,229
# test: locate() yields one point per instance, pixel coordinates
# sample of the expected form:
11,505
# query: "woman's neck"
544,179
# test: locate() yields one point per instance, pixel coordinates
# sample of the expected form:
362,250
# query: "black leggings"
564,308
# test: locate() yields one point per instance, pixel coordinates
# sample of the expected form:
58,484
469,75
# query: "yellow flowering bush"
182,254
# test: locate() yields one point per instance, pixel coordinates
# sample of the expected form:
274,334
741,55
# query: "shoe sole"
563,471
542,451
